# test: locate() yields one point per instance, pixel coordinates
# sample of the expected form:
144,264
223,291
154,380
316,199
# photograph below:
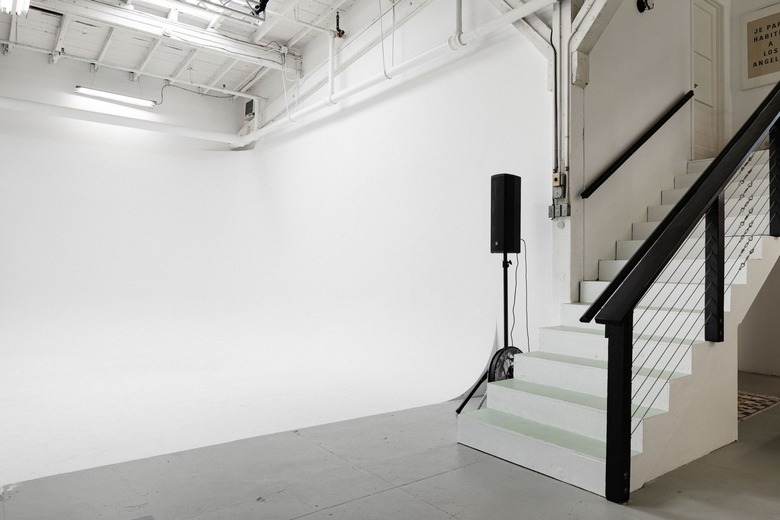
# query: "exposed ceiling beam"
155,26
272,22
532,27
185,64
149,53
106,44
321,18
59,45
250,82
131,70
12,32
251,79
590,22
221,72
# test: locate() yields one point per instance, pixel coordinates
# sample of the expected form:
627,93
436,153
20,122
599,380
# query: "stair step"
678,271
687,295
686,323
685,181
735,226
672,196
699,166
759,203
666,353
589,376
564,409
692,248
566,456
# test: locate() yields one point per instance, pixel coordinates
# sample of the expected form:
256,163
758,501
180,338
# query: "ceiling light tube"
116,98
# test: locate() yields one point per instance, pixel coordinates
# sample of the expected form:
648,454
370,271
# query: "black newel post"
714,270
618,474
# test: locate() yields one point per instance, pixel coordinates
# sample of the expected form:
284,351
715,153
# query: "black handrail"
614,307
636,145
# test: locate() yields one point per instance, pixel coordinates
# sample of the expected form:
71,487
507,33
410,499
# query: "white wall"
759,351
638,69
157,296
744,102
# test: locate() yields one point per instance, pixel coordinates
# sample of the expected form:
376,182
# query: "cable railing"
670,322
671,293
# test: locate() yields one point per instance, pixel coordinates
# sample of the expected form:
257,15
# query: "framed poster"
761,47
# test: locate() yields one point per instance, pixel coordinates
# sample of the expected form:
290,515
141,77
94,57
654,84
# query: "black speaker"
504,213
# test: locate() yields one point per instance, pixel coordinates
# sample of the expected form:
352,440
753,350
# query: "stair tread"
678,310
597,332
544,433
569,396
596,363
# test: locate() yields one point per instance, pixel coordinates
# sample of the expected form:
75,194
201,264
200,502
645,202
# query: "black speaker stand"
502,364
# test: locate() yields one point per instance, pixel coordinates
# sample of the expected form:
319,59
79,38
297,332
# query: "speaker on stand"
505,238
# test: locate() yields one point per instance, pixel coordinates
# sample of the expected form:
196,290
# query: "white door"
706,76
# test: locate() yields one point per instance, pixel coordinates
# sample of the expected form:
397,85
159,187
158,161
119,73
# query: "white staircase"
551,417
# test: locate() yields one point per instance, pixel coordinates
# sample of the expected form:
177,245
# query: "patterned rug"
749,404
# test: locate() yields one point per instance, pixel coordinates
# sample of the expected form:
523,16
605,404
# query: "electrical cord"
162,93
382,39
514,298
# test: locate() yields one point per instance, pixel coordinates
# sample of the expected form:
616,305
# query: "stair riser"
680,271
590,346
562,464
559,414
759,204
577,378
593,380
642,230
697,167
658,295
692,248
663,323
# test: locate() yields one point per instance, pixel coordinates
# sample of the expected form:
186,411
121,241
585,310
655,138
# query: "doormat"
750,404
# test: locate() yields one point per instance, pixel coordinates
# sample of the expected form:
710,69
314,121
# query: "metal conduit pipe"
455,40
34,107
422,58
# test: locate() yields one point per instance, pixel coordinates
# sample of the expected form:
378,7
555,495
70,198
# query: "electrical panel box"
249,110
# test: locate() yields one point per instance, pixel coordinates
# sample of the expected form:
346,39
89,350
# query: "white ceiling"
208,44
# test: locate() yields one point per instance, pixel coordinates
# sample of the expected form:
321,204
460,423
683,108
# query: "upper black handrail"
629,286
636,145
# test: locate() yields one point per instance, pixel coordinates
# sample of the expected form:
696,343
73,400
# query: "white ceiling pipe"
422,58
34,107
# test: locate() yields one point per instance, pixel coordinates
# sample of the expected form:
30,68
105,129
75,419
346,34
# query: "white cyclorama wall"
638,69
157,298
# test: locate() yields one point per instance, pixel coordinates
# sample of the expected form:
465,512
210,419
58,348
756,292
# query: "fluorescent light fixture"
17,7
116,98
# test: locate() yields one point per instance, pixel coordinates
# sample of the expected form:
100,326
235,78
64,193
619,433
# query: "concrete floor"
401,465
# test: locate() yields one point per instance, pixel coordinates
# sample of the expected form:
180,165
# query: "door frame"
723,98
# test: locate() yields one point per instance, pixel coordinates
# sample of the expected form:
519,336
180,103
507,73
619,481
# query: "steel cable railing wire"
660,383
734,272
648,307
688,322
691,316
674,306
